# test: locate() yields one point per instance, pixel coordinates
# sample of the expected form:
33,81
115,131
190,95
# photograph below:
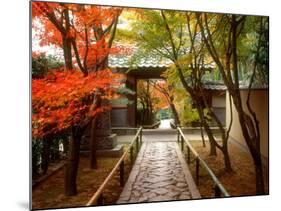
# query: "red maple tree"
71,98
65,98
84,32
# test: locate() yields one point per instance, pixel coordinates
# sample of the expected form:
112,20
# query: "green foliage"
172,75
148,31
36,154
41,64
125,91
182,100
188,114
164,114
252,29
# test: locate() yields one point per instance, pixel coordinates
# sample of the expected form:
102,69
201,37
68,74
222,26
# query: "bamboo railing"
218,188
97,198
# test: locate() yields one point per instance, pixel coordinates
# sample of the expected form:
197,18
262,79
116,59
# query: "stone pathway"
159,174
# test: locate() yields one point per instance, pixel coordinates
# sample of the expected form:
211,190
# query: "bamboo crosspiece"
219,189
98,198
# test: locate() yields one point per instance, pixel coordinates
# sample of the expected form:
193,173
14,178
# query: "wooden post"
141,137
121,171
217,191
181,143
178,135
100,200
197,171
131,155
188,155
137,144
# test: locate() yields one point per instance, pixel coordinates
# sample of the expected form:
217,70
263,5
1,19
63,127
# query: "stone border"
188,177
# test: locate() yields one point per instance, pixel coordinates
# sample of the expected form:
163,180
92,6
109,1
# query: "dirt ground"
241,182
50,193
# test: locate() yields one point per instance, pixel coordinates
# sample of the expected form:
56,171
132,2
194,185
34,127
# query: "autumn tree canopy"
63,99
70,98
84,32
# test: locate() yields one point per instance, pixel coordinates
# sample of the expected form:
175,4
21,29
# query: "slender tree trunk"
175,114
259,175
227,163
93,139
71,167
254,147
65,143
252,138
93,145
66,43
202,135
213,150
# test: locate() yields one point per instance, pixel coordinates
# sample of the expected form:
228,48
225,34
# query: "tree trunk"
202,135
66,43
71,167
259,176
175,114
227,163
65,143
252,139
213,150
93,145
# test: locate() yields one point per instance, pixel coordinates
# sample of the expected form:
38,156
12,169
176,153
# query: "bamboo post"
217,191
178,135
121,171
197,171
131,155
141,136
188,155
100,200
181,143
137,144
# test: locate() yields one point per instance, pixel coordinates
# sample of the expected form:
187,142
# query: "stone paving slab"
159,174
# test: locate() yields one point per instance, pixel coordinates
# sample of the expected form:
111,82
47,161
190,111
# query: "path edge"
127,190
188,177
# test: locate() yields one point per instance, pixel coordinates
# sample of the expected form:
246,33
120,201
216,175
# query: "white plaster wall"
218,101
259,103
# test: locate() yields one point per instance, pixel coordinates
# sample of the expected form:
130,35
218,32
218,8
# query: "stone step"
159,131
117,151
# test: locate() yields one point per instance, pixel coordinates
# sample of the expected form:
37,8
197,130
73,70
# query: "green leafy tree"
174,36
223,36
41,64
